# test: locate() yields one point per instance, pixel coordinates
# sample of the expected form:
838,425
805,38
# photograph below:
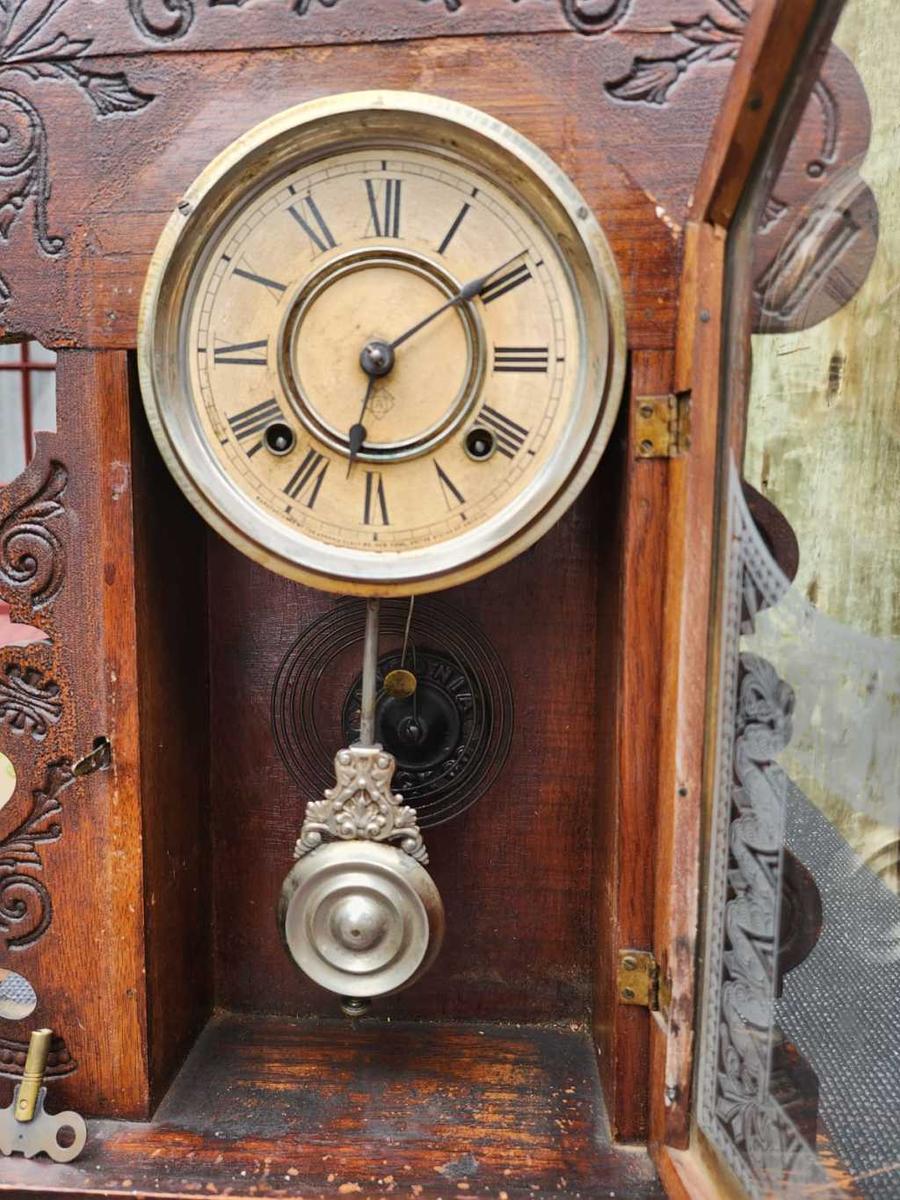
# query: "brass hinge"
638,980
662,425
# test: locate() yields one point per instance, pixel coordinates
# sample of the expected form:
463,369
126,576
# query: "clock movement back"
356,620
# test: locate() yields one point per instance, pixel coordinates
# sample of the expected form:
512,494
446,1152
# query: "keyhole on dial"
279,438
479,444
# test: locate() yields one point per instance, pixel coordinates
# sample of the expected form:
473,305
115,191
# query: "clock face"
381,343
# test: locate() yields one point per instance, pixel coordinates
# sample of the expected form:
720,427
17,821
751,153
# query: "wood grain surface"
514,871
87,965
89,293
282,1108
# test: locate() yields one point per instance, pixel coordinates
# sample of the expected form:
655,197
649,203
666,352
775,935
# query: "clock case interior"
512,1065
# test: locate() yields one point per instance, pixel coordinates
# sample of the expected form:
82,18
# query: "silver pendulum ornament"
359,914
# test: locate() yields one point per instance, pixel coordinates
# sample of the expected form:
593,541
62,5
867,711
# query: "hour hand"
357,434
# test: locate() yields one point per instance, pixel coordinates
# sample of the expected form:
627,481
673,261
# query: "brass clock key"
25,1127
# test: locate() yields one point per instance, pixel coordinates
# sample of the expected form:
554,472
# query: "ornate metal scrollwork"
32,554
362,805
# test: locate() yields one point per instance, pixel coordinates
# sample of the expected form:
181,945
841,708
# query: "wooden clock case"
138,886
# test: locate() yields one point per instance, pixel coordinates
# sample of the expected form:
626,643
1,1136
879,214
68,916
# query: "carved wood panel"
70,843
643,88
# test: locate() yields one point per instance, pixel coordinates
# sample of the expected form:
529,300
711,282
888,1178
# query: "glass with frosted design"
798,1072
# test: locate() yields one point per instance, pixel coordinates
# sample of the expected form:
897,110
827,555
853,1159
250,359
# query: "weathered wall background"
824,445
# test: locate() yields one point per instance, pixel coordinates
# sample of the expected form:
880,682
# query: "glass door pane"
799,1060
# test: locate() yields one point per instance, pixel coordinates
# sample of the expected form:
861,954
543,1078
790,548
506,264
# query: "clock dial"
382,366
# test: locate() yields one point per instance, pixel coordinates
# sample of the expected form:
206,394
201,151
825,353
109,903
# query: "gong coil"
361,918
460,673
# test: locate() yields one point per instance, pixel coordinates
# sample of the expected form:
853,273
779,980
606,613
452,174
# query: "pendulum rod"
370,674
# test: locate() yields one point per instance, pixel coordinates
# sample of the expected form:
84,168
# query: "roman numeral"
522,359
451,232
448,487
510,436
384,206
375,508
314,227
505,283
306,482
254,420
272,286
246,354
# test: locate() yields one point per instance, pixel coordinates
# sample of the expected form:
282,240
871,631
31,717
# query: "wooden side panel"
71,906
687,582
170,569
622,1031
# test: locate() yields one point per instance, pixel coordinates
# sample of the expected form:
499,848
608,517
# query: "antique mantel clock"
382,350
388,518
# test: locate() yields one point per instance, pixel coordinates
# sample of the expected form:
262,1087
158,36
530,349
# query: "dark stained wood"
630,680
768,56
277,1108
173,683
554,870
89,294
273,23
87,967
692,483
514,870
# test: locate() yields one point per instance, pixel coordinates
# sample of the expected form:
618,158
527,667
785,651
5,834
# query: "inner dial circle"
361,299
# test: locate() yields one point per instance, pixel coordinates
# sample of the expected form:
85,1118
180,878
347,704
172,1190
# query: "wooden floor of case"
266,1107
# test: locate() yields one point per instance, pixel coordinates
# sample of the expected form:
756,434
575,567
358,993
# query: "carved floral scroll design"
738,1109
32,554
174,18
709,39
586,16
30,50
26,908
29,702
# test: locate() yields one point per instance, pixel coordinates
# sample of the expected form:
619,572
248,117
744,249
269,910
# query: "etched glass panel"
799,1061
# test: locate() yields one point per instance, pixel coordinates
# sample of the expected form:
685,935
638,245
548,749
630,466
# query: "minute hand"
468,291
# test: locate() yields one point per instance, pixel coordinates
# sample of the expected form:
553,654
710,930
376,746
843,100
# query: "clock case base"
268,1107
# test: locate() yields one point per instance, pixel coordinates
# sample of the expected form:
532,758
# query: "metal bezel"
301,135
